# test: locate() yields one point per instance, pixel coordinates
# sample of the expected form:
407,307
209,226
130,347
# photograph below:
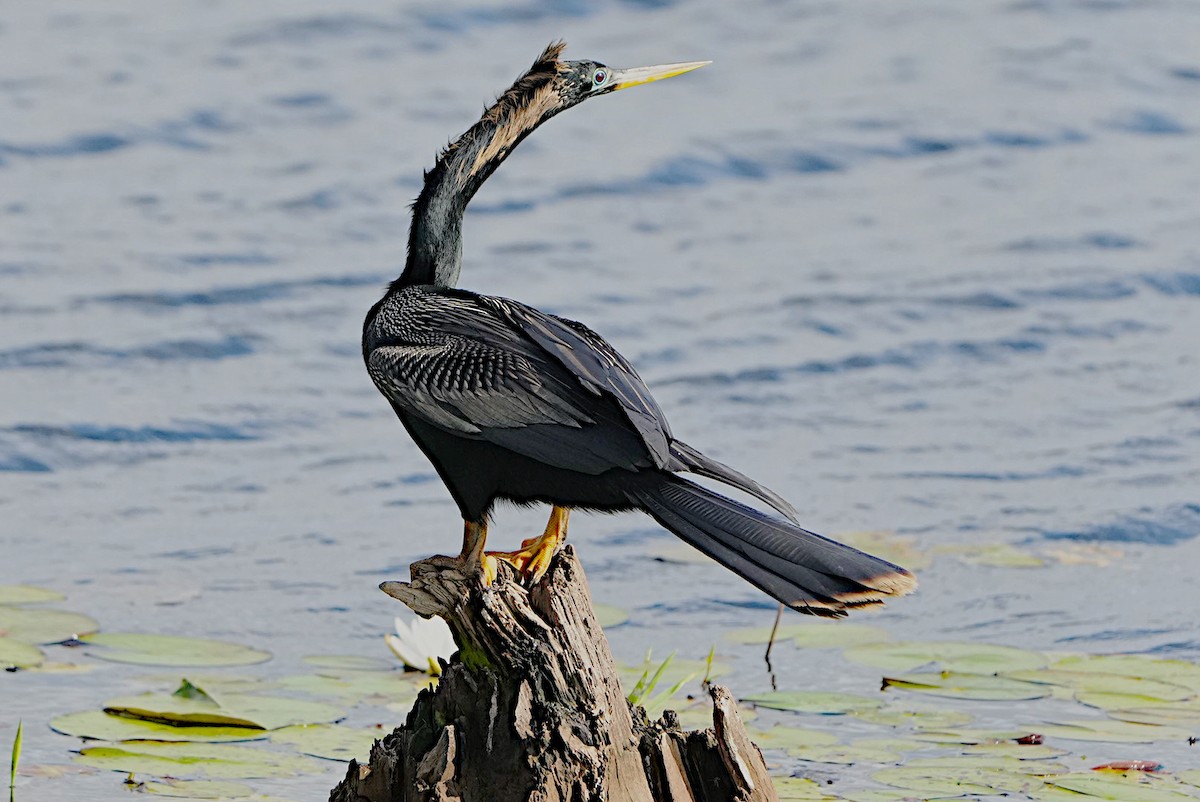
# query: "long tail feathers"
693,461
803,570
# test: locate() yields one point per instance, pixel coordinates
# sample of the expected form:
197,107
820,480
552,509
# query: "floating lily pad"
1011,765
609,616
1133,787
927,719
782,737
395,686
1102,683
28,594
817,635
999,555
932,782
200,761
15,654
845,755
980,687
196,789
232,710
813,702
329,741
971,658
1116,701
100,726
171,650
969,737
37,625
901,745
1185,713
799,788
898,549
1016,750
348,662
888,795
1175,672
1111,731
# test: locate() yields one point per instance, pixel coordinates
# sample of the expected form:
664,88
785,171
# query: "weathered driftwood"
530,708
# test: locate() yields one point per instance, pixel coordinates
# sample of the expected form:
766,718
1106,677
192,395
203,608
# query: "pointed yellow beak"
636,76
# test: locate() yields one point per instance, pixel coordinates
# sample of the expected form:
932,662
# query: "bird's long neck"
435,236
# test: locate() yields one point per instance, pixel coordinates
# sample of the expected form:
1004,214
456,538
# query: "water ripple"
80,354
1158,527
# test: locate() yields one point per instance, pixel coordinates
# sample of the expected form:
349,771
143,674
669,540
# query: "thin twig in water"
770,643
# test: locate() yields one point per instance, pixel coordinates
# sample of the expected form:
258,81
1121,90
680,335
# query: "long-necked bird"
511,403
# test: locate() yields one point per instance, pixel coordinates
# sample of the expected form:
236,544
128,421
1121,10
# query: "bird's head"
551,86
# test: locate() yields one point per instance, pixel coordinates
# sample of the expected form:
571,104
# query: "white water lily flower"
419,644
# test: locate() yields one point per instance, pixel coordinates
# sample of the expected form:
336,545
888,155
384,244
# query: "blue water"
929,268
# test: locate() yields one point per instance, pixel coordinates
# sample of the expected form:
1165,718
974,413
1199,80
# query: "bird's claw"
532,560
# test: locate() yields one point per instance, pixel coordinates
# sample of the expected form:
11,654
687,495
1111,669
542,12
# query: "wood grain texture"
531,709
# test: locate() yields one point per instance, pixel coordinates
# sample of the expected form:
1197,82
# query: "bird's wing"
598,366
461,364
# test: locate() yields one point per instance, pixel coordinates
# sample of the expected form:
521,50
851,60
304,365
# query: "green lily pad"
999,555
980,687
200,761
789,789
330,741
898,549
782,737
927,719
969,737
1116,701
349,662
394,686
1102,683
889,795
1134,787
28,594
831,704
842,754
970,658
1111,731
930,782
196,789
901,745
609,616
1015,750
15,654
817,635
1185,713
38,625
171,650
1011,765
1175,672
231,710
100,726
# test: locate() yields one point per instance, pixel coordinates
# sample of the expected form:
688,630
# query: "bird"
513,404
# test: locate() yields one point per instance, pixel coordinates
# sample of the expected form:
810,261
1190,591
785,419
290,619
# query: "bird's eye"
599,78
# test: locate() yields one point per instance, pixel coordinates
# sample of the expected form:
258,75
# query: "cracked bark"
530,709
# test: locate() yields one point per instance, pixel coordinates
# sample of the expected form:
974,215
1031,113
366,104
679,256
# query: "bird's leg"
473,555
535,554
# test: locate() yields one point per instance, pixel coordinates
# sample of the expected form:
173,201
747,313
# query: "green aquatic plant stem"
16,758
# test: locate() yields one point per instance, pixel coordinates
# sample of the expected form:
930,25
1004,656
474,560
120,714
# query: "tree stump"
531,709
